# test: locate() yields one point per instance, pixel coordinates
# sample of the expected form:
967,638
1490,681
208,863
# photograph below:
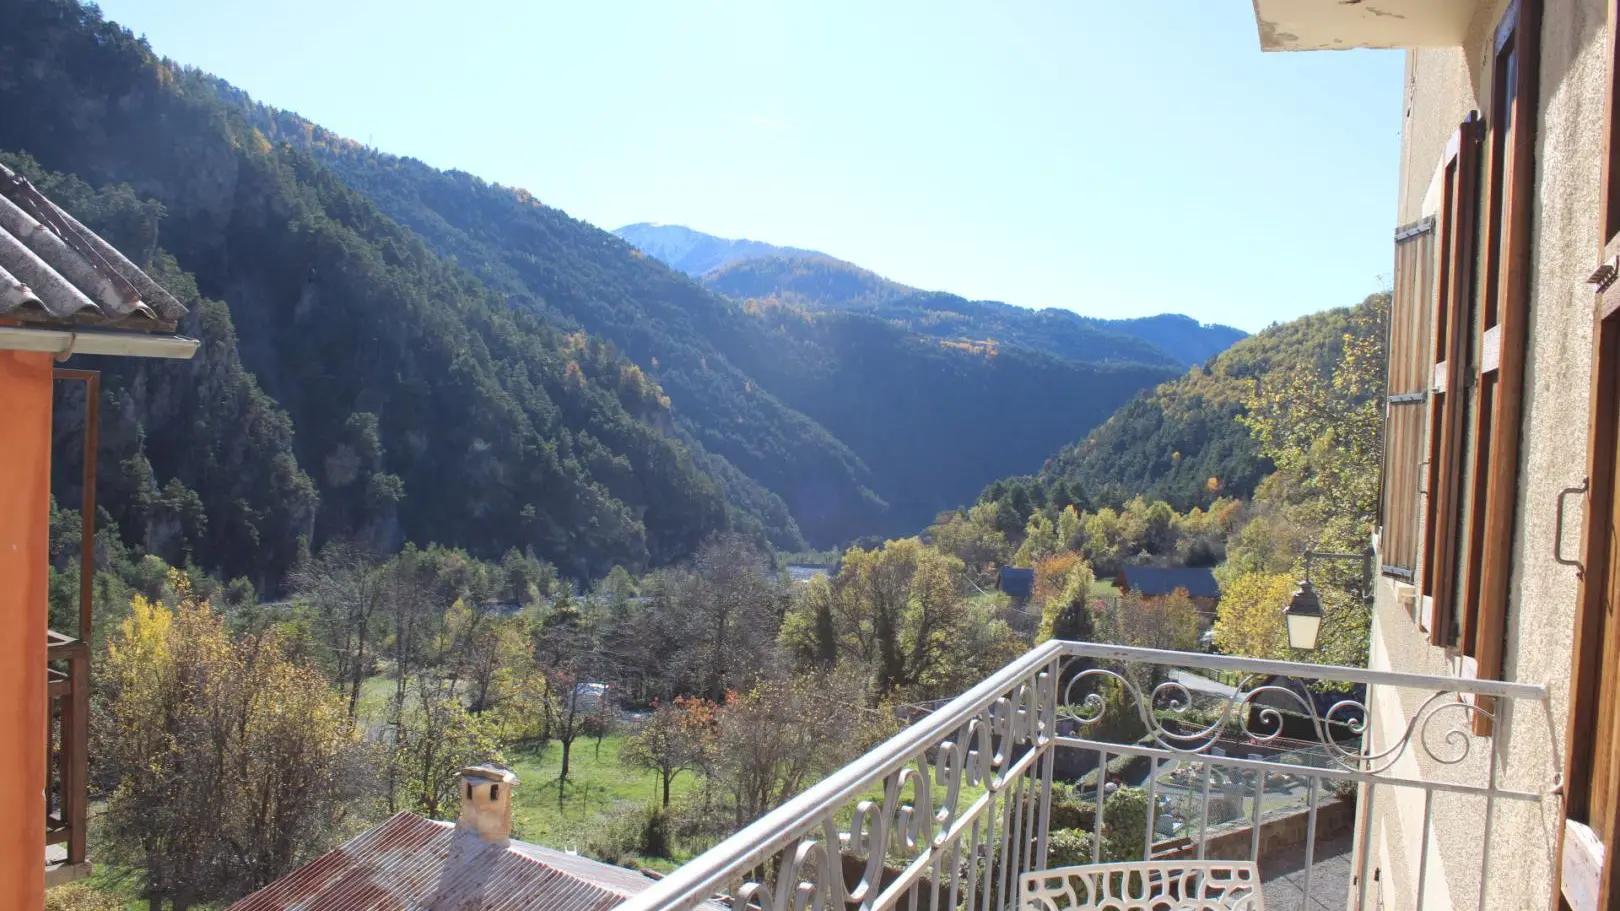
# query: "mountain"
812,281
353,383
816,281
395,352
931,418
794,412
696,253
1184,441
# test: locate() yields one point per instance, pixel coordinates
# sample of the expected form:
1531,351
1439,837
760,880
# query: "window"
1453,291
1407,390
1479,359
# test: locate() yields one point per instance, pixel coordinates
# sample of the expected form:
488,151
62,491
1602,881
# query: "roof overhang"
64,342
1336,25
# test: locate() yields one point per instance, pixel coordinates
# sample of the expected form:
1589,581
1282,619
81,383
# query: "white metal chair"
1175,885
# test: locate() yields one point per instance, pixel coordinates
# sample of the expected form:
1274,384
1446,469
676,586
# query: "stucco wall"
25,438
1442,86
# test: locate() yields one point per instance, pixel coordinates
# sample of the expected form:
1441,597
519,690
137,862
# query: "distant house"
1017,583
413,864
1158,581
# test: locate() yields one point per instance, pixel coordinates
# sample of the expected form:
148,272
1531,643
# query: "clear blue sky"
1116,158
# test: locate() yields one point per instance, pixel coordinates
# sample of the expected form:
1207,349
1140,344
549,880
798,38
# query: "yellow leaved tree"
233,763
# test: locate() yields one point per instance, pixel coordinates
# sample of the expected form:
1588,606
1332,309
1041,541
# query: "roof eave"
1329,25
65,342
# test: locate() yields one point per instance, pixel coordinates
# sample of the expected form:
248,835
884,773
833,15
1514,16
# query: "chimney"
486,802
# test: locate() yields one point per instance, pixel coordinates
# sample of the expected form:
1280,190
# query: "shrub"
655,840
1068,847
641,831
82,897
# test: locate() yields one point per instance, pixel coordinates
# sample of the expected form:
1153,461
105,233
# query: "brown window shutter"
1407,392
1503,326
1453,295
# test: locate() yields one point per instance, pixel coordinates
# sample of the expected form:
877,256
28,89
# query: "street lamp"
1304,617
1303,613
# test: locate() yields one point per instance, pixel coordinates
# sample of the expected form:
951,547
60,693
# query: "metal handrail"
698,878
1330,672
705,875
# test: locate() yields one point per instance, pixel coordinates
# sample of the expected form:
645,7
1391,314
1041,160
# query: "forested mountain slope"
1184,441
819,282
815,282
352,382
932,419
800,422
447,352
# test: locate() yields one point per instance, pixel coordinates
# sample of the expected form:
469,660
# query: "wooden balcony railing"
67,759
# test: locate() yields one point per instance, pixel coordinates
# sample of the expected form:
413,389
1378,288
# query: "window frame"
1454,283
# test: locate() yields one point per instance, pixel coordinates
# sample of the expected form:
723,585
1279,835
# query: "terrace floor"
1284,883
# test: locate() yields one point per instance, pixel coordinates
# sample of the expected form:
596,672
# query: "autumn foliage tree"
1063,588
233,764
677,737
896,615
1250,621
780,735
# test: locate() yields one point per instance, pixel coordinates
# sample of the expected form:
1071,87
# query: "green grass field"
1104,588
598,787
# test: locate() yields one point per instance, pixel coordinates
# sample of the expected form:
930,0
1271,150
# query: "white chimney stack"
486,802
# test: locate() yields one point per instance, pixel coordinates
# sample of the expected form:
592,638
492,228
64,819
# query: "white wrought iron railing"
1020,773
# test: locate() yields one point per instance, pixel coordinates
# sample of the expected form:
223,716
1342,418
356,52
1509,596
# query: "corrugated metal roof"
1154,581
1019,583
413,864
56,272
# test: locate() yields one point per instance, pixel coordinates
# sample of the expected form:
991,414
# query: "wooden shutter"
1454,285
1407,390
1502,326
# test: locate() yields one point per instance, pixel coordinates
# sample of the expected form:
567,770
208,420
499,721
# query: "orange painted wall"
25,480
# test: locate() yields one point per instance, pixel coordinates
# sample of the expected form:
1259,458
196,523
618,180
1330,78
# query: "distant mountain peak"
743,269
695,252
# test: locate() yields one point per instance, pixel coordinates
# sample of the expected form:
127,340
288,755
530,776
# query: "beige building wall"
1442,86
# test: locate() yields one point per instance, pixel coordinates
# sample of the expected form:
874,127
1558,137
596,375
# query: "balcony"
1200,758
68,689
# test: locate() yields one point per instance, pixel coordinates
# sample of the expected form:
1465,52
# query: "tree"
344,586
1249,621
894,614
232,763
1322,428
974,539
1104,545
435,740
572,704
677,737
777,736
1169,622
1040,541
1064,585
712,624
488,648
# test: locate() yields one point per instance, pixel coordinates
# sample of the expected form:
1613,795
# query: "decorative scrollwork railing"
952,812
